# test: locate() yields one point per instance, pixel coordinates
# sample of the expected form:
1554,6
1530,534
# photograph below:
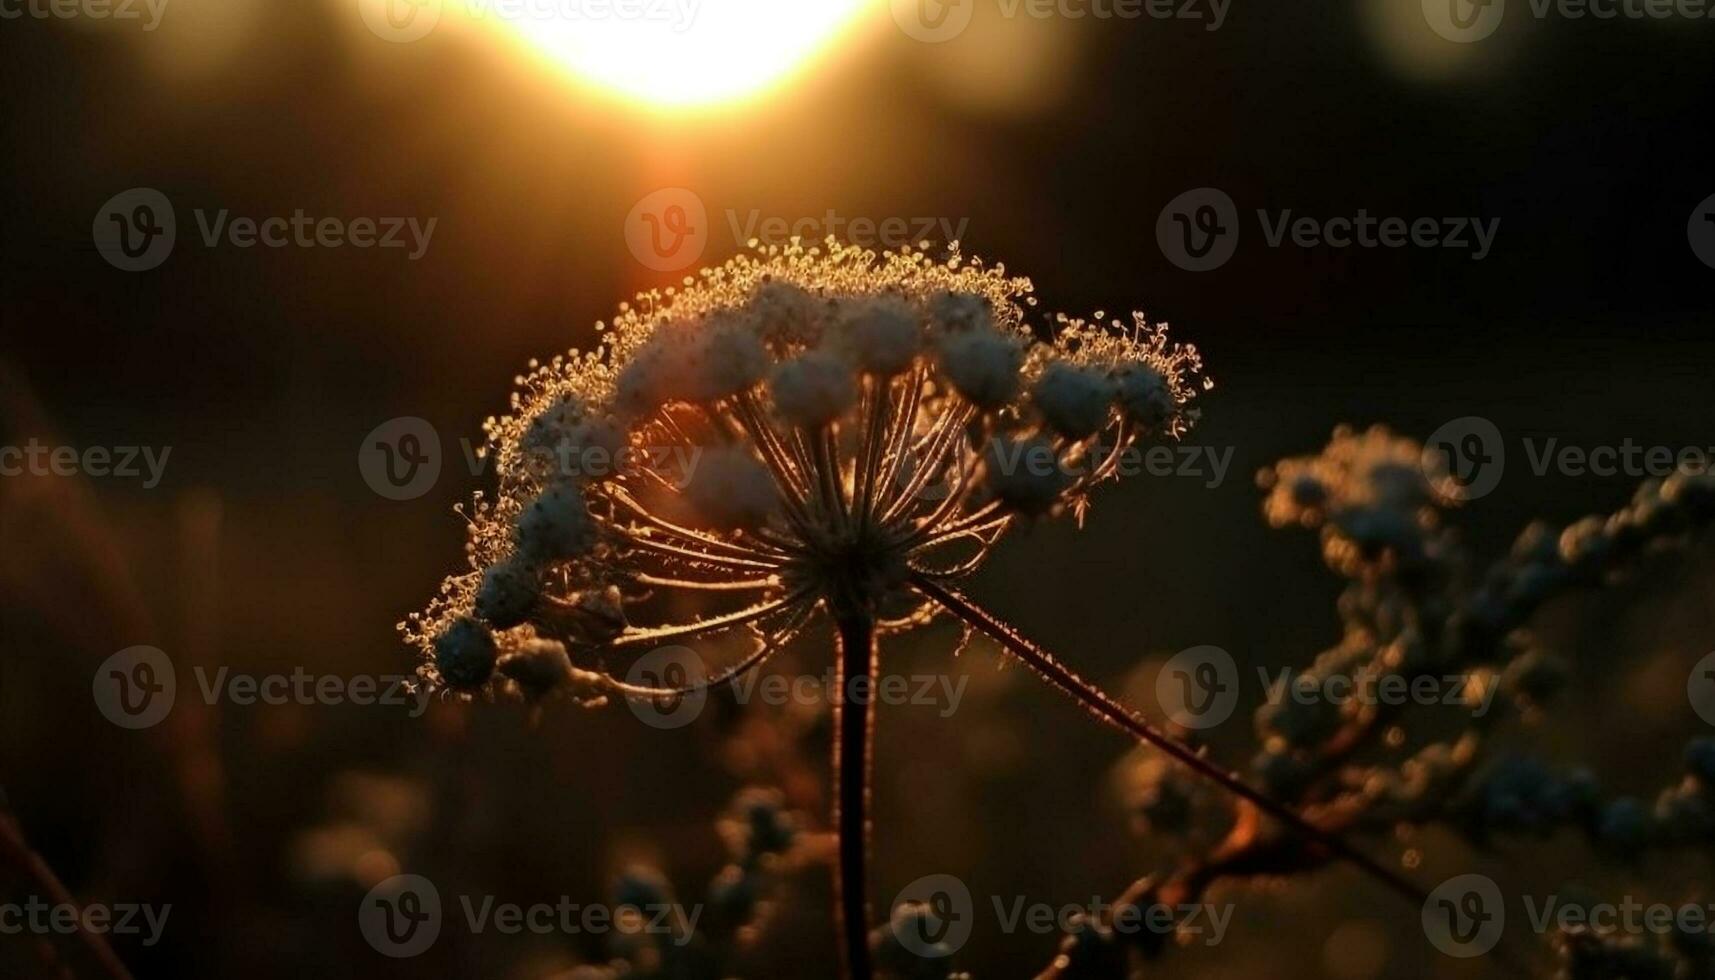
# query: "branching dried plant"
824,429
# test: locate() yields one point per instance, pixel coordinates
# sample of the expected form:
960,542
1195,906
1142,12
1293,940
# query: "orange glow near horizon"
676,54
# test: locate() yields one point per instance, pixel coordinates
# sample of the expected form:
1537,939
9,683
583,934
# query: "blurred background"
550,157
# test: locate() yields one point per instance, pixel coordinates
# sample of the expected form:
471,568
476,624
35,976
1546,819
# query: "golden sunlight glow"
676,53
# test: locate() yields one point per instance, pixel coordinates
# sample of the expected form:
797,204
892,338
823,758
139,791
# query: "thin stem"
929,460
828,468
721,562
880,398
1121,717
768,647
791,489
655,634
15,851
899,438
854,728
713,585
688,536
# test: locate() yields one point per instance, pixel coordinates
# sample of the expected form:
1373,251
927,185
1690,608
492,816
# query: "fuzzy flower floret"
813,389
882,335
983,366
1074,400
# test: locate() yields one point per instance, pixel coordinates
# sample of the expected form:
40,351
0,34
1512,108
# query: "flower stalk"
854,750
1118,715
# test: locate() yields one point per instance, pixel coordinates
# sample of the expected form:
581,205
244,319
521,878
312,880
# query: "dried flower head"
801,427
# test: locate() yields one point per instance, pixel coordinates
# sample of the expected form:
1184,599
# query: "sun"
675,53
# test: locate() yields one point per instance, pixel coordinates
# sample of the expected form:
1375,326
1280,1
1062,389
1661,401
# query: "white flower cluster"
844,418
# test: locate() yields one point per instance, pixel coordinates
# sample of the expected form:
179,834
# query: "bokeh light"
680,53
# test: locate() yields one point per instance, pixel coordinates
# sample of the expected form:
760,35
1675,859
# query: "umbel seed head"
801,428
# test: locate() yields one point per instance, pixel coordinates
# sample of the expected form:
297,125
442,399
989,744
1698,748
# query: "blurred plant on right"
1415,607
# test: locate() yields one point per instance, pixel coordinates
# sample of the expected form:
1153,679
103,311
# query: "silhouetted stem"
1123,718
16,852
854,724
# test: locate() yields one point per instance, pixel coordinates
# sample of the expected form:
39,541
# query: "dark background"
1060,142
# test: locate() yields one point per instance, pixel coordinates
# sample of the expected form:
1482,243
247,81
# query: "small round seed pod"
726,358
654,374
464,654
552,424
951,312
1144,395
508,593
556,525
788,313
982,366
880,335
813,389
1074,400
